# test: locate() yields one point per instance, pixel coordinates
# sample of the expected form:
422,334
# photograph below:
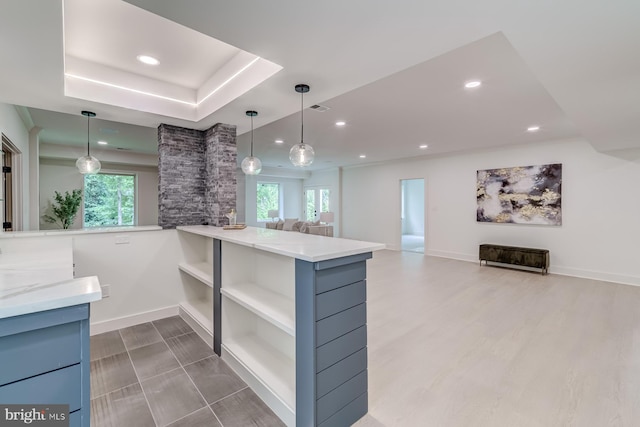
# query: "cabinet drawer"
63,386
336,277
336,350
340,299
349,414
339,324
341,372
38,351
337,399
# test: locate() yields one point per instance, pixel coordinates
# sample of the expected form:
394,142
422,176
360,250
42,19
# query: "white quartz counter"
28,299
41,278
306,247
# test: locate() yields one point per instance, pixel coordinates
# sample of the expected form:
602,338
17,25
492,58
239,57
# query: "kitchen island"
44,329
288,315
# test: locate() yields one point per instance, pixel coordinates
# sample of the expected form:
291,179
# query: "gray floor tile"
171,396
124,407
214,378
152,360
201,418
189,348
172,326
111,373
140,335
245,409
107,344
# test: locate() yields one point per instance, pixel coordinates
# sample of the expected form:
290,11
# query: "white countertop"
47,296
38,279
81,231
293,244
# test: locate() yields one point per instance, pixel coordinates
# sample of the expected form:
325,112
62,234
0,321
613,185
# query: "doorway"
316,201
412,215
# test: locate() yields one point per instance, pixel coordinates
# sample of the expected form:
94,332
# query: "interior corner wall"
196,175
599,207
12,126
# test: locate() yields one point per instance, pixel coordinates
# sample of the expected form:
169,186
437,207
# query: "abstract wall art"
521,195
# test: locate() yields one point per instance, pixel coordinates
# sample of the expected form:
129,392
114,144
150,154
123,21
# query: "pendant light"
88,164
251,165
302,154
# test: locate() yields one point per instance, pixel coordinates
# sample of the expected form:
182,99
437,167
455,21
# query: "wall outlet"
106,291
122,239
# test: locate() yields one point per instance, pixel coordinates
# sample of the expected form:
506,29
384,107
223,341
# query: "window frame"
280,205
135,198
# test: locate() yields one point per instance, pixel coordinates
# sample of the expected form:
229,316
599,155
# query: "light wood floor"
455,344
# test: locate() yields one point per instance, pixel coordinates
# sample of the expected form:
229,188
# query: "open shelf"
194,314
271,367
203,271
271,306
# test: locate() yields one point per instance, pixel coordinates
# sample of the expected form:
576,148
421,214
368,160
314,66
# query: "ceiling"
394,71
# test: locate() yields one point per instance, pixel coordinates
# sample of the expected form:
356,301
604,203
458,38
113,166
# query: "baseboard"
553,269
131,320
453,255
196,324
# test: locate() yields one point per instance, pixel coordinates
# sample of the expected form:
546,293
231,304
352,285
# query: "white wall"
600,206
143,274
12,126
62,175
329,178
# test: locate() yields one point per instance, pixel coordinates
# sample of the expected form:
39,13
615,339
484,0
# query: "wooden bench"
526,257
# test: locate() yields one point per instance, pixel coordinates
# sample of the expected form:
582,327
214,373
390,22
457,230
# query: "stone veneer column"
193,188
220,191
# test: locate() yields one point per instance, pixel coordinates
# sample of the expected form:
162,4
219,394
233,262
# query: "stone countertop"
40,278
303,246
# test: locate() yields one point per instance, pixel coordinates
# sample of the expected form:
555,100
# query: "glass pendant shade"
251,165
301,155
88,165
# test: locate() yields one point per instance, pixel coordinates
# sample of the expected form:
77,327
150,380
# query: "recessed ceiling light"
423,146
146,59
340,123
472,84
533,128
103,143
279,141
363,156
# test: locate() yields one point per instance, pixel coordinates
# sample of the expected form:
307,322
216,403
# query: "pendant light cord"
252,135
302,118
88,118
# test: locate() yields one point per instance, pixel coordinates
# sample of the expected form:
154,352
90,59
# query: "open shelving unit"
196,268
258,323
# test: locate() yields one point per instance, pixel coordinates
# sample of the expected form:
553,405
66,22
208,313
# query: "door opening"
412,221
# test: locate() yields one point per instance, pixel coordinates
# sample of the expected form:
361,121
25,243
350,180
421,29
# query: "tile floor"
162,374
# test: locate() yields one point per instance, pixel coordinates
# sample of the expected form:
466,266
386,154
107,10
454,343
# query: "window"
268,198
109,200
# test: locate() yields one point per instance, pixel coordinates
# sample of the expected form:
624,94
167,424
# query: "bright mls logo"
34,415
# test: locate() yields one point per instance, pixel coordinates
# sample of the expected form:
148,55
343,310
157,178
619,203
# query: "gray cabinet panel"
339,324
336,350
337,300
337,277
35,352
349,414
341,372
75,419
340,397
57,387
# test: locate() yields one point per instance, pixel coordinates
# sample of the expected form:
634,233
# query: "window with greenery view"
109,200
268,198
